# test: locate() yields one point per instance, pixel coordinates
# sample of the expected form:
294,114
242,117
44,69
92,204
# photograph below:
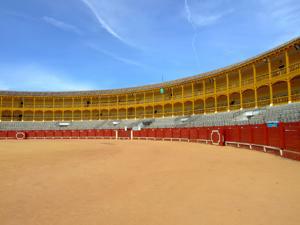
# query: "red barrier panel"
123,133
203,133
83,133
91,133
67,133
193,133
30,134
40,133
159,133
47,134
176,133
245,134
109,133
100,133
185,133
167,133
75,133
274,136
11,134
151,133
259,135
3,134
292,137
231,134
58,133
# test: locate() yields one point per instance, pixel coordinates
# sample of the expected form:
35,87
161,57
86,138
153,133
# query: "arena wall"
283,140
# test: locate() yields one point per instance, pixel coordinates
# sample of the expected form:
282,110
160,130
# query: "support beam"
204,96
182,99
270,81
288,80
193,97
240,86
215,95
255,85
227,92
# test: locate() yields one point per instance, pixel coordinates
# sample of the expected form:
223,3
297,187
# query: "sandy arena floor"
93,182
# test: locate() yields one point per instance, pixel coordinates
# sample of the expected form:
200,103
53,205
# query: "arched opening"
263,96
28,116
130,113
210,105
149,112
122,114
77,115
104,114
295,89
168,110
86,115
235,101
38,116
48,116
113,114
280,92
222,103
158,111
178,109
140,112
58,116
95,115
17,115
188,108
6,115
67,115
248,98
199,106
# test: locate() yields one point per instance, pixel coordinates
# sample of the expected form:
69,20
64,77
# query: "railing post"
288,80
255,85
241,94
270,81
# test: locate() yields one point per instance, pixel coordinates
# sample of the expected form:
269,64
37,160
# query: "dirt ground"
103,182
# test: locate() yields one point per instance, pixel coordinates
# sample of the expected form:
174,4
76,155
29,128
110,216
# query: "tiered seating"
284,113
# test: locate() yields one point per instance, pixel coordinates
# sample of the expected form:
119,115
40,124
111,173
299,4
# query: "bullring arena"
221,147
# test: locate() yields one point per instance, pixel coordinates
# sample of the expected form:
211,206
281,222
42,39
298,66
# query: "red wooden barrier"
185,133
292,137
3,134
176,133
193,133
167,133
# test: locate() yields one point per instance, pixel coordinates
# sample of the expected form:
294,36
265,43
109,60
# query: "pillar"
288,80
227,92
255,86
240,84
270,81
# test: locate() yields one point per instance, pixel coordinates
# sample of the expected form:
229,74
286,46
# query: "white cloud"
118,58
33,77
282,16
96,12
205,13
61,25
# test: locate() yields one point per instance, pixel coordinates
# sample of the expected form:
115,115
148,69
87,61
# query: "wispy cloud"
102,22
284,16
38,78
61,25
205,13
118,58
189,18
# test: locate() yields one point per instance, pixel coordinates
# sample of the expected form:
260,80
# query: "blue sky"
51,45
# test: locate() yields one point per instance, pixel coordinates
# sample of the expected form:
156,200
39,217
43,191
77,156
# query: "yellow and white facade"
271,78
